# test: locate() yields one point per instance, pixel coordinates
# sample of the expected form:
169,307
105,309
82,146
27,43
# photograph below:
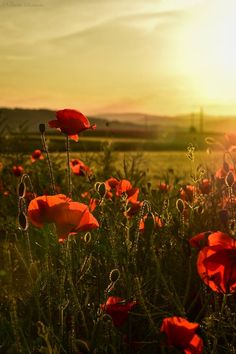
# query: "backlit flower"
68,216
216,263
157,223
79,168
125,187
37,155
71,123
17,170
187,193
76,217
118,309
205,186
181,334
45,208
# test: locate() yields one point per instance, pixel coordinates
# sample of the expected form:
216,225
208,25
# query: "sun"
206,52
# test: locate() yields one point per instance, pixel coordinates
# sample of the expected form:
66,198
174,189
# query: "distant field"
175,141
158,165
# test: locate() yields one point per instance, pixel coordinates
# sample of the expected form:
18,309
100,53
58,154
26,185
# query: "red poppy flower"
17,170
134,209
205,186
118,309
69,217
71,123
158,223
76,217
93,202
216,263
125,187
200,240
79,168
187,193
222,172
45,208
181,333
37,155
110,184
163,187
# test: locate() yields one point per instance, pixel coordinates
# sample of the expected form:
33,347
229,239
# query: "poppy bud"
180,206
23,221
102,190
42,128
21,190
229,179
87,237
114,275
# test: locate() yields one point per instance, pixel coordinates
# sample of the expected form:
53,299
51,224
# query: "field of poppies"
97,259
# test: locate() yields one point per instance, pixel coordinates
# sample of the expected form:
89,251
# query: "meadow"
115,252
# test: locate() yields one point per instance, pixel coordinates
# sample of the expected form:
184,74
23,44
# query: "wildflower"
45,208
200,240
205,186
125,187
118,309
110,184
164,187
216,263
76,217
68,216
133,209
71,123
17,170
79,168
37,155
187,193
181,333
222,172
92,202
157,222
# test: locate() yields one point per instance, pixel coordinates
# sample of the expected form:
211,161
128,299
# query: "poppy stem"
45,149
68,167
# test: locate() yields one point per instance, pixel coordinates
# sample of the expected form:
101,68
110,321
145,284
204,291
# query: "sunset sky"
100,56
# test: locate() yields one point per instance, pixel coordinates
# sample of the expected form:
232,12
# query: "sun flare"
207,52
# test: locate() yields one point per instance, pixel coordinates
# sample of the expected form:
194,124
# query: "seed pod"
229,179
21,189
42,128
180,206
114,275
23,222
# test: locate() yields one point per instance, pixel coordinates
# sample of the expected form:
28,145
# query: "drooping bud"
114,275
229,179
180,206
21,189
23,221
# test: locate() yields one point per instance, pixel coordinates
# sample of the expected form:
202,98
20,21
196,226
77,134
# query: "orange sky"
153,56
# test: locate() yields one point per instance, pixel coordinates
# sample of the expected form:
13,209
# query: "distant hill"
18,120
27,120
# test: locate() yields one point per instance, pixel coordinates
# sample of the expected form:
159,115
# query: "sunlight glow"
207,52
